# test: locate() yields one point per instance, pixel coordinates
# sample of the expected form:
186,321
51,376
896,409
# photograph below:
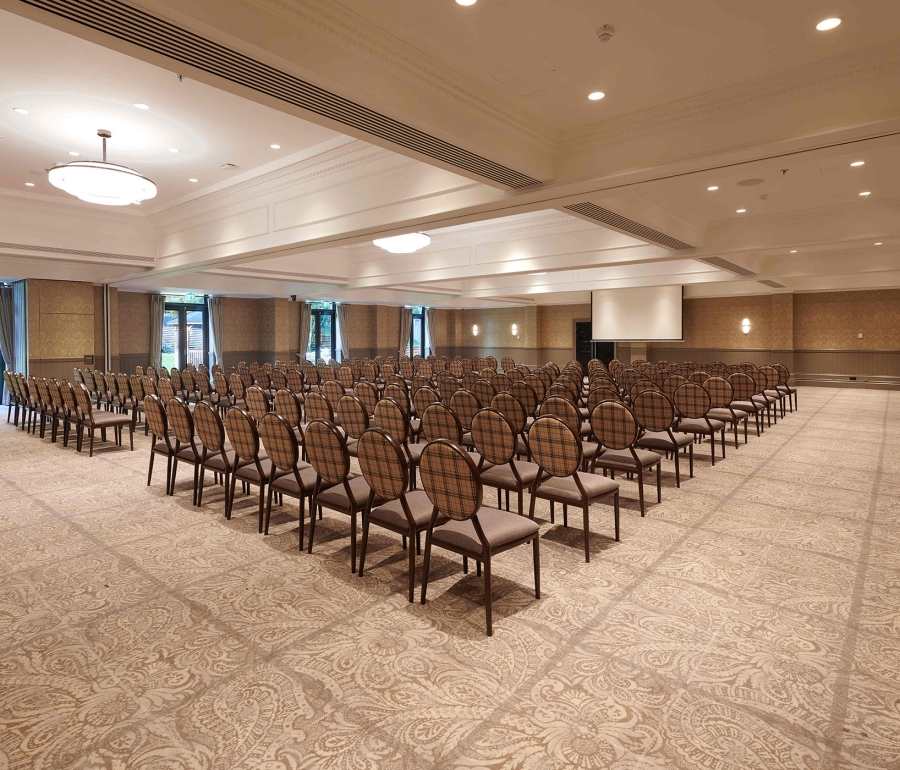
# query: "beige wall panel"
73,297
66,335
782,322
241,322
134,323
388,329
293,313
99,335
266,332
363,327
556,324
34,319
834,320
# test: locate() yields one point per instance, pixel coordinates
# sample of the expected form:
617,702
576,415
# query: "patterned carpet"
749,621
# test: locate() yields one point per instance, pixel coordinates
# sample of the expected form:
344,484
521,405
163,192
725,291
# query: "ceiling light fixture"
741,211
73,153
20,110
858,163
827,24
713,188
596,96
865,194
793,251
466,2
878,243
29,184
142,106
173,149
403,244
544,273
192,179
275,146
100,182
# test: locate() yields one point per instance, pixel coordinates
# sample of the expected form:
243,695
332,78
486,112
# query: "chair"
385,468
215,452
464,406
354,420
161,438
451,482
483,391
615,428
389,416
290,476
721,396
743,388
93,419
565,410
784,385
693,404
656,415
187,443
496,441
557,449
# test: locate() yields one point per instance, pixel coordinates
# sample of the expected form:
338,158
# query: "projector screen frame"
657,339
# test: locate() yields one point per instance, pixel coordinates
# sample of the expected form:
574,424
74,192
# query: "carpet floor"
751,620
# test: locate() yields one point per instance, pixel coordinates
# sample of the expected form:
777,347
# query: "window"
416,346
321,332
185,336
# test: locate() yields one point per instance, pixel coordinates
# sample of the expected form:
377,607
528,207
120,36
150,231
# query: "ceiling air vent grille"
161,37
772,284
724,264
76,253
592,211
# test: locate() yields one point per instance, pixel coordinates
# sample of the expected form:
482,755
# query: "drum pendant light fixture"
100,182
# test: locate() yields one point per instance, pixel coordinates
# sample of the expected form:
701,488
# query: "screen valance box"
638,314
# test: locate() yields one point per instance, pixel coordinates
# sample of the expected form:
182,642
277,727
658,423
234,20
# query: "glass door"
321,332
185,334
171,339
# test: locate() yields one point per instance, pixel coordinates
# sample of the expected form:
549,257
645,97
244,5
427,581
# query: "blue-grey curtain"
157,315
20,326
217,323
7,334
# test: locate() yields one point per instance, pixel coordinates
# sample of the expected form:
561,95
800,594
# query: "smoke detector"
606,32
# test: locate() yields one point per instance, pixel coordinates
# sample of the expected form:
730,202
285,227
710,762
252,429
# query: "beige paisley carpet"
749,621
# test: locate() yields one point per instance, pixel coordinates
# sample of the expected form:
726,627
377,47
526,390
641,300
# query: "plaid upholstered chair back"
536,384
180,420
83,398
242,433
237,385
438,421
124,385
602,393
399,394
698,376
257,402
310,372
264,379
418,381
111,386
406,369
457,369
155,415
613,425
784,375
450,480
287,404
692,401
426,370
721,394
137,387
332,390
771,375
525,395
558,390
507,363
188,380
387,370
326,373
554,446
464,406
318,407
279,379
639,387
564,410
448,387
383,463
77,376
221,384
352,415
653,411
389,416
742,385
345,376
367,395
514,375
279,441
494,436
327,451
423,397
175,377
149,385
501,382
209,427
760,380
68,395
672,383
511,408
469,379
483,392
294,380
55,394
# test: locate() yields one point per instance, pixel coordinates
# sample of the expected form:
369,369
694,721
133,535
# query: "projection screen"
639,314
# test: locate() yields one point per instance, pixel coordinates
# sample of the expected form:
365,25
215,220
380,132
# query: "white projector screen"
643,313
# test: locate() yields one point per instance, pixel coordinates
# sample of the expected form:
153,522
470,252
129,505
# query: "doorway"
321,332
583,350
185,338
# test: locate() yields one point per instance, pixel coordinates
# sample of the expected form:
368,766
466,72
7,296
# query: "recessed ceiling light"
858,163
73,153
29,184
466,2
826,24
403,244
713,188
596,96
20,110
544,273
793,251
275,146
192,179
741,211
173,149
142,106
865,194
878,243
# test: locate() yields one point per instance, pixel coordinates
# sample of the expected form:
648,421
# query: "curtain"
303,342
343,322
429,331
7,338
20,327
218,329
157,314
406,315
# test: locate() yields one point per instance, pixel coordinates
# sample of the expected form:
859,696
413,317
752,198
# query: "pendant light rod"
104,135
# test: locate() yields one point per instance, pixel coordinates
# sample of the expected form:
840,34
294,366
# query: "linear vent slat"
607,217
161,37
724,264
77,252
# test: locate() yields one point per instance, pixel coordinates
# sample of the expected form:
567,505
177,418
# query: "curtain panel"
406,315
218,329
429,331
7,335
20,327
343,321
157,314
303,342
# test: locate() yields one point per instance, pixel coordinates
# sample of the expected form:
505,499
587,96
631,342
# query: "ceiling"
751,100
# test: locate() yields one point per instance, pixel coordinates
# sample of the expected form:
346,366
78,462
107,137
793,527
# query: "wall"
364,331
240,333
60,326
133,320
387,338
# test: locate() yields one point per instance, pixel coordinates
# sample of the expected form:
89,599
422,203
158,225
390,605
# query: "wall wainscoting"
128,362
57,368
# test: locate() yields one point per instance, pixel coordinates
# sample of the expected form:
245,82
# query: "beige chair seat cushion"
249,473
660,440
565,490
502,475
336,497
500,528
215,462
288,484
392,516
622,458
725,415
107,419
751,407
700,426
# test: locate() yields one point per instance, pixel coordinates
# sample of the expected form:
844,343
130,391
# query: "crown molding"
793,85
48,204
349,31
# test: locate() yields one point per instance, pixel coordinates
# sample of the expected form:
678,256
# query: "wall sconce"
474,330
745,326
515,330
